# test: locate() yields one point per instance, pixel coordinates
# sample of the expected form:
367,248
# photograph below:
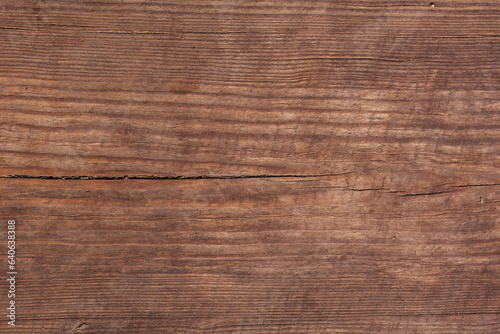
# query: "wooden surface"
258,256
252,166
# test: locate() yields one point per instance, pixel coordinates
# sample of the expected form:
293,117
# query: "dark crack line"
368,189
477,185
167,177
427,194
80,327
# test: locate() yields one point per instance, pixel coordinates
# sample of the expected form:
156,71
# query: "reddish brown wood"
250,88
251,166
315,255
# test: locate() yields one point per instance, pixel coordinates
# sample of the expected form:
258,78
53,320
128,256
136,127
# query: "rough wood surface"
249,88
283,255
252,166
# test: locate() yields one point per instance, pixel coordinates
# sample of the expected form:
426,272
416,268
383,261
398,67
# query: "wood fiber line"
254,256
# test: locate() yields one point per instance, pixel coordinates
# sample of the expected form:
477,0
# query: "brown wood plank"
252,166
264,255
250,88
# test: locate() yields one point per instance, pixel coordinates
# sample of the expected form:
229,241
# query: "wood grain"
280,255
252,166
224,88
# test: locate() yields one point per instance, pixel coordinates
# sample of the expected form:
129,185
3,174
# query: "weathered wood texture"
363,139
283,255
249,88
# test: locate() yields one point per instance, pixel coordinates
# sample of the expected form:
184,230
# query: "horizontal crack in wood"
166,177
